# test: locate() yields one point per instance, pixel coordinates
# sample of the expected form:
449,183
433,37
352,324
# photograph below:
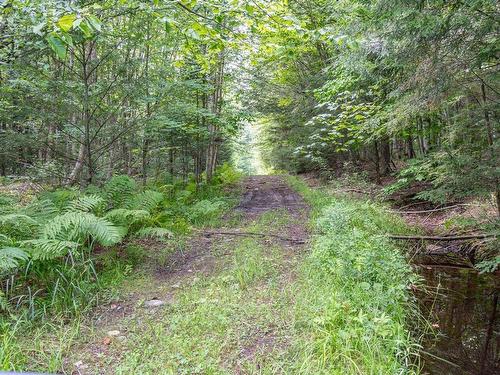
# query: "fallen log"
354,191
254,234
442,238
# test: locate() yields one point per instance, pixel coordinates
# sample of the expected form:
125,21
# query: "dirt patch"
265,193
196,258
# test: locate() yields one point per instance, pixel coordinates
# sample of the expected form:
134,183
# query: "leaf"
38,29
94,22
10,257
57,45
85,29
250,9
65,23
45,249
168,24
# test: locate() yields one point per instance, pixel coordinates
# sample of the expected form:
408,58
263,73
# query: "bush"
48,243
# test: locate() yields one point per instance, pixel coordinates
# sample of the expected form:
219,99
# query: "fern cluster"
48,244
64,223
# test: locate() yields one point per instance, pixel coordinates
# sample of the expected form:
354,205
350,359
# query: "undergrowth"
353,304
67,251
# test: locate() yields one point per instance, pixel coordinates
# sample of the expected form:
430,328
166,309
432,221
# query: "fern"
45,249
119,190
6,204
147,200
78,226
15,219
10,257
60,197
154,232
87,203
41,210
123,216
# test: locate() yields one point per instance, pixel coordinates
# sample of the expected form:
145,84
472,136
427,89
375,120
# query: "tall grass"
353,303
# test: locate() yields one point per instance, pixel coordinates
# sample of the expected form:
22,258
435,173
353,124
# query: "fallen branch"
442,265
246,234
442,238
429,211
355,191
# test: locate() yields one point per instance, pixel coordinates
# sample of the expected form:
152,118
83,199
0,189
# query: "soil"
265,193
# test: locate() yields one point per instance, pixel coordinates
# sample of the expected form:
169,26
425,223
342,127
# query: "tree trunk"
491,137
171,161
75,173
385,150
376,162
145,139
411,150
216,109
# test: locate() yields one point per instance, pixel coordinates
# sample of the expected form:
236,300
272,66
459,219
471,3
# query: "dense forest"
125,124
158,89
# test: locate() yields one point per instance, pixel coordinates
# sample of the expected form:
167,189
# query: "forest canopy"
249,186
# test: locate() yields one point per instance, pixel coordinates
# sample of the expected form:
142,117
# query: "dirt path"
220,304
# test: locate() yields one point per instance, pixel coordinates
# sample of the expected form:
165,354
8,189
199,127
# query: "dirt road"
219,304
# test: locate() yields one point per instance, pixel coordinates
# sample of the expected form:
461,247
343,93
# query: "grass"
48,300
353,304
219,322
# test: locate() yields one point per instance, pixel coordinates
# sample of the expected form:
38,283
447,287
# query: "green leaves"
57,45
69,27
65,23
10,257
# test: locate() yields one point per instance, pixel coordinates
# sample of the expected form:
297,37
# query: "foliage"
379,84
90,90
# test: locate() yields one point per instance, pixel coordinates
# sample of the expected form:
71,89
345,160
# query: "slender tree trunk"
491,137
216,109
145,137
89,78
377,161
411,150
80,161
385,150
171,161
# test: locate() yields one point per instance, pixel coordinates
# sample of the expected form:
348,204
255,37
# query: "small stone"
122,338
106,340
176,286
78,364
114,333
154,303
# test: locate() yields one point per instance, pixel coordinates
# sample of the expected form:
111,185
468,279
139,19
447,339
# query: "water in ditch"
463,308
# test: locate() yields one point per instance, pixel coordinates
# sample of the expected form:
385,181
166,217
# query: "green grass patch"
211,320
353,303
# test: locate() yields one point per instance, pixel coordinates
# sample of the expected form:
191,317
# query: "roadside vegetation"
345,306
66,251
354,298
